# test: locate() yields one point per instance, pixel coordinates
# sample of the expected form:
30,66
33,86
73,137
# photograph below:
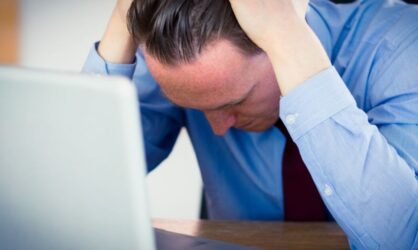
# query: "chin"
258,128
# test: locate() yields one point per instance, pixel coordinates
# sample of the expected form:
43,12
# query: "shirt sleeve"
161,120
95,64
366,172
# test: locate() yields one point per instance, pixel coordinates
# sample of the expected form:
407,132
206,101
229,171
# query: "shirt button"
291,119
328,190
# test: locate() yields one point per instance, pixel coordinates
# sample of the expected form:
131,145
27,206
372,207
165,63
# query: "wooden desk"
263,235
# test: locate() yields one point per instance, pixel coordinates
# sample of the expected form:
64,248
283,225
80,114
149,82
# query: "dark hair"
176,31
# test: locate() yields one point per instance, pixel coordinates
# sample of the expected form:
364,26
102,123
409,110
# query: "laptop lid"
72,168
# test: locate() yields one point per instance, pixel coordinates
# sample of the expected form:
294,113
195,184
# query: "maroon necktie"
302,201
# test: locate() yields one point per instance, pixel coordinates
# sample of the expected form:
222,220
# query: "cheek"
266,98
262,105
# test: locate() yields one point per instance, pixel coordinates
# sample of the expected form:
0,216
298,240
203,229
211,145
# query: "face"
230,88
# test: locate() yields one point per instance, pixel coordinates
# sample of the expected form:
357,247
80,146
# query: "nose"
220,121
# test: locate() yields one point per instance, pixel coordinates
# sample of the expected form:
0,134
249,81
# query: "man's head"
202,59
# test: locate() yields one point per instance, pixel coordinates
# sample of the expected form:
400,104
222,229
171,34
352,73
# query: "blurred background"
57,35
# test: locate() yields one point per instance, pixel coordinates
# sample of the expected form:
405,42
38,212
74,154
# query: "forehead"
220,74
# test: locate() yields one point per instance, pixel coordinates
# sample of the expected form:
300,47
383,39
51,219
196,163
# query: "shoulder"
363,26
397,45
376,53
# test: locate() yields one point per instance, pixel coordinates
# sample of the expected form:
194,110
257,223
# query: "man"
342,79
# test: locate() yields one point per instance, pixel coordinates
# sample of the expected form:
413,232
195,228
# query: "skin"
117,45
280,29
238,91
234,90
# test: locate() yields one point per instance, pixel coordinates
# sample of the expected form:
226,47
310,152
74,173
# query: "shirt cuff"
314,101
97,65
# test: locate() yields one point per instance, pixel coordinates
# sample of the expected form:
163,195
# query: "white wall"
57,34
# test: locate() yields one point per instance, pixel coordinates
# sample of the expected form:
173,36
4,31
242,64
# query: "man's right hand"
117,45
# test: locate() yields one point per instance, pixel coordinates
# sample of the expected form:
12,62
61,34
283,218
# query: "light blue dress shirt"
356,126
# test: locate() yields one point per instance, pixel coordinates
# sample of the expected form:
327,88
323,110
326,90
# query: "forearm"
297,57
375,191
280,29
115,53
117,45
368,187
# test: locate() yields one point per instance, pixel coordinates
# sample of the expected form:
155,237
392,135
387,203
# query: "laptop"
72,167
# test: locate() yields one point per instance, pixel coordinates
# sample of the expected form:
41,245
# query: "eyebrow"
236,102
